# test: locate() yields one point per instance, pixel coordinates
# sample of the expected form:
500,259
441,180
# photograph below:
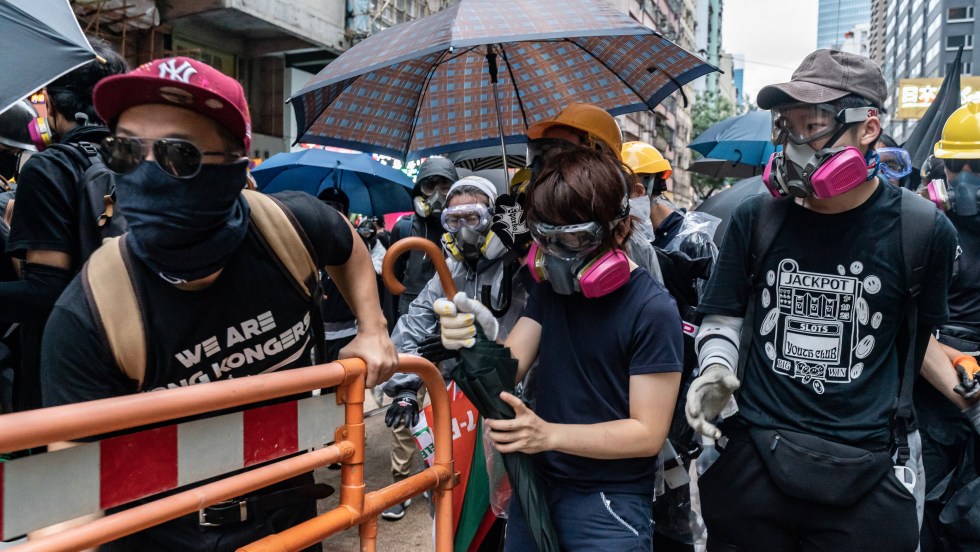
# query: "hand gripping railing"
70,422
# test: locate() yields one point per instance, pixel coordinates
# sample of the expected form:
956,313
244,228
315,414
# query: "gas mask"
799,170
565,257
468,235
428,205
961,195
42,133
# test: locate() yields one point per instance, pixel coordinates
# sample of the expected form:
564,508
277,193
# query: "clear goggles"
430,184
894,163
542,149
473,216
802,123
572,241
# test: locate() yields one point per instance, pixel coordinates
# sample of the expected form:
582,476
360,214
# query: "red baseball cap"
179,81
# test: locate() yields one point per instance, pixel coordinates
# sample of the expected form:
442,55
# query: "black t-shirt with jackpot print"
824,357
250,321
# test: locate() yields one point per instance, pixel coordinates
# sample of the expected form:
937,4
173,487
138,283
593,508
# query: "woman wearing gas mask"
607,341
476,259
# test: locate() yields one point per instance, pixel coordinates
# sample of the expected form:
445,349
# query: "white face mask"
640,208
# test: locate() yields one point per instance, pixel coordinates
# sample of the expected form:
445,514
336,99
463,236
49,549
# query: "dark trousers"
184,533
744,510
587,521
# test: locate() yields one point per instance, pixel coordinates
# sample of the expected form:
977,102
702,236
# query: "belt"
241,509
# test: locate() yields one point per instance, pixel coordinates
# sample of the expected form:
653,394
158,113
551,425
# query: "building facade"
708,40
836,17
921,38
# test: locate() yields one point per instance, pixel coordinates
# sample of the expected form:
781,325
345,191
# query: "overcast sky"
773,35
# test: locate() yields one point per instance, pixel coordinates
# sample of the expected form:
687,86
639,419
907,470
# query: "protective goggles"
473,216
572,241
803,123
894,163
178,158
365,232
653,184
430,184
957,165
543,149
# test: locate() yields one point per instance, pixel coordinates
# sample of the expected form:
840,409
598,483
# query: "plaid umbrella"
431,85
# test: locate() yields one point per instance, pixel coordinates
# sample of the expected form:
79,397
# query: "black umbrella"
484,371
37,30
723,168
723,203
930,127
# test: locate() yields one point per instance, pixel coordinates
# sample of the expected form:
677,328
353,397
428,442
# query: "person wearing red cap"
209,287
818,312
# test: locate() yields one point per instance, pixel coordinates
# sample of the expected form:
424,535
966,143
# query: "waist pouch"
810,468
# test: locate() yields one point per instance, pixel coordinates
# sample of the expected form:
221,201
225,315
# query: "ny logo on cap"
169,70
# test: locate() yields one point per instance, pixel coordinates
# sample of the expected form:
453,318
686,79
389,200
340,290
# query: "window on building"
966,67
934,26
954,42
963,13
933,52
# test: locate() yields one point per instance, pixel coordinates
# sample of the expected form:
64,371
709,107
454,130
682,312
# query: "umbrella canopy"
722,168
745,139
374,189
489,157
929,129
724,202
426,86
38,30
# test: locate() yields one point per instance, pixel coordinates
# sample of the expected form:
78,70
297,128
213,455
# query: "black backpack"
97,219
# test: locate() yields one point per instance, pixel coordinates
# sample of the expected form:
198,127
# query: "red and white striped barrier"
41,490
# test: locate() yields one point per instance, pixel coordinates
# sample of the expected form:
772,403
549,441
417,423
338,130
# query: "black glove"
403,411
432,349
509,222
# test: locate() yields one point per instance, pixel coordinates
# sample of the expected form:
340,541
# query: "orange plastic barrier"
65,423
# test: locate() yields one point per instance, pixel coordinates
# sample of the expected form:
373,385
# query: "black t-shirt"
589,349
824,358
251,320
668,229
964,292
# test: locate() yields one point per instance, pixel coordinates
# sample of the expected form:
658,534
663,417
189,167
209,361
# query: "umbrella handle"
401,247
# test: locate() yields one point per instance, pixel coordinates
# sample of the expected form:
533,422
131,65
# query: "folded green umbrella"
484,371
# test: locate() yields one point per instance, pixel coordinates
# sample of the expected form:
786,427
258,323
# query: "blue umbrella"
374,188
745,139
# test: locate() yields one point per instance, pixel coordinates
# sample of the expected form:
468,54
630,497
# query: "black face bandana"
184,229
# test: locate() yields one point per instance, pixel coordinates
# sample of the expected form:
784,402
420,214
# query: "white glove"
458,319
708,396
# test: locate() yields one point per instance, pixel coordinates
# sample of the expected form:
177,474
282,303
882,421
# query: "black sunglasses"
176,157
957,165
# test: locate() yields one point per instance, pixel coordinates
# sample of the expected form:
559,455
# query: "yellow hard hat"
587,118
645,159
961,134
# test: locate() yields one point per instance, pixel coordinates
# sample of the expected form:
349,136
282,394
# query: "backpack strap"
115,307
287,242
918,220
768,222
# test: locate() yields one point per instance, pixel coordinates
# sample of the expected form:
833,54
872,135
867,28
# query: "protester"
432,184
476,259
591,127
949,439
813,304
607,353
51,229
206,283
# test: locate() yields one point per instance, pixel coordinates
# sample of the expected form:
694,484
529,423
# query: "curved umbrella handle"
401,247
